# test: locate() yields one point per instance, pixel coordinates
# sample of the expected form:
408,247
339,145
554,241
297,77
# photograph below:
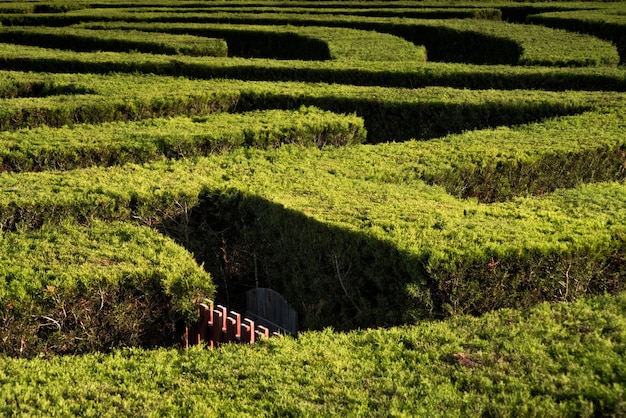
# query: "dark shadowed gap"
348,280
14,90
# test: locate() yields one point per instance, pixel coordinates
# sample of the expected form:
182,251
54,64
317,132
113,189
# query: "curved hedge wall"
449,177
441,183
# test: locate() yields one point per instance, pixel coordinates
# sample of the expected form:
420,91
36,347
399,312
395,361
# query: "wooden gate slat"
247,331
217,325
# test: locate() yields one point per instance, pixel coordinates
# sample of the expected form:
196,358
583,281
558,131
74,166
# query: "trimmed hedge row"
11,88
441,279
501,163
451,40
390,114
73,288
288,42
498,164
248,41
606,24
107,98
518,12
116,143
40,7
564,359
357,253
593,142
464,40
79,39
367,9
402,114
350,247
392,74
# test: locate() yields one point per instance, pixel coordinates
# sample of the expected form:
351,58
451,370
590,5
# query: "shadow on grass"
349,279
331,276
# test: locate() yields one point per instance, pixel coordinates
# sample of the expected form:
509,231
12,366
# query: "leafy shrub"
71,289
76,39
562,359
152,139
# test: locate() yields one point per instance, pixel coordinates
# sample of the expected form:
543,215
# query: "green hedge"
535,159
99,99
358,253
342,238
389,114
564,359
76,39
369,9
454,40
609,24
73,288
362,235
392,74
152,139
518,12
289,42
20,7
11,88
402,114
243,41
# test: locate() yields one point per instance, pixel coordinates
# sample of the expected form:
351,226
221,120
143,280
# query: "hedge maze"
380,164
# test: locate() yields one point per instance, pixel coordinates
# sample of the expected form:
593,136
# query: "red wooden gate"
217,325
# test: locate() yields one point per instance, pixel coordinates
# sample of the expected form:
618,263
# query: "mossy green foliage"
459,40
267,41
78,39
523,211
55,6
379,73
367,8
555,360
73,288
497,164
389,114
354,220
117,143
97,99
607,23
